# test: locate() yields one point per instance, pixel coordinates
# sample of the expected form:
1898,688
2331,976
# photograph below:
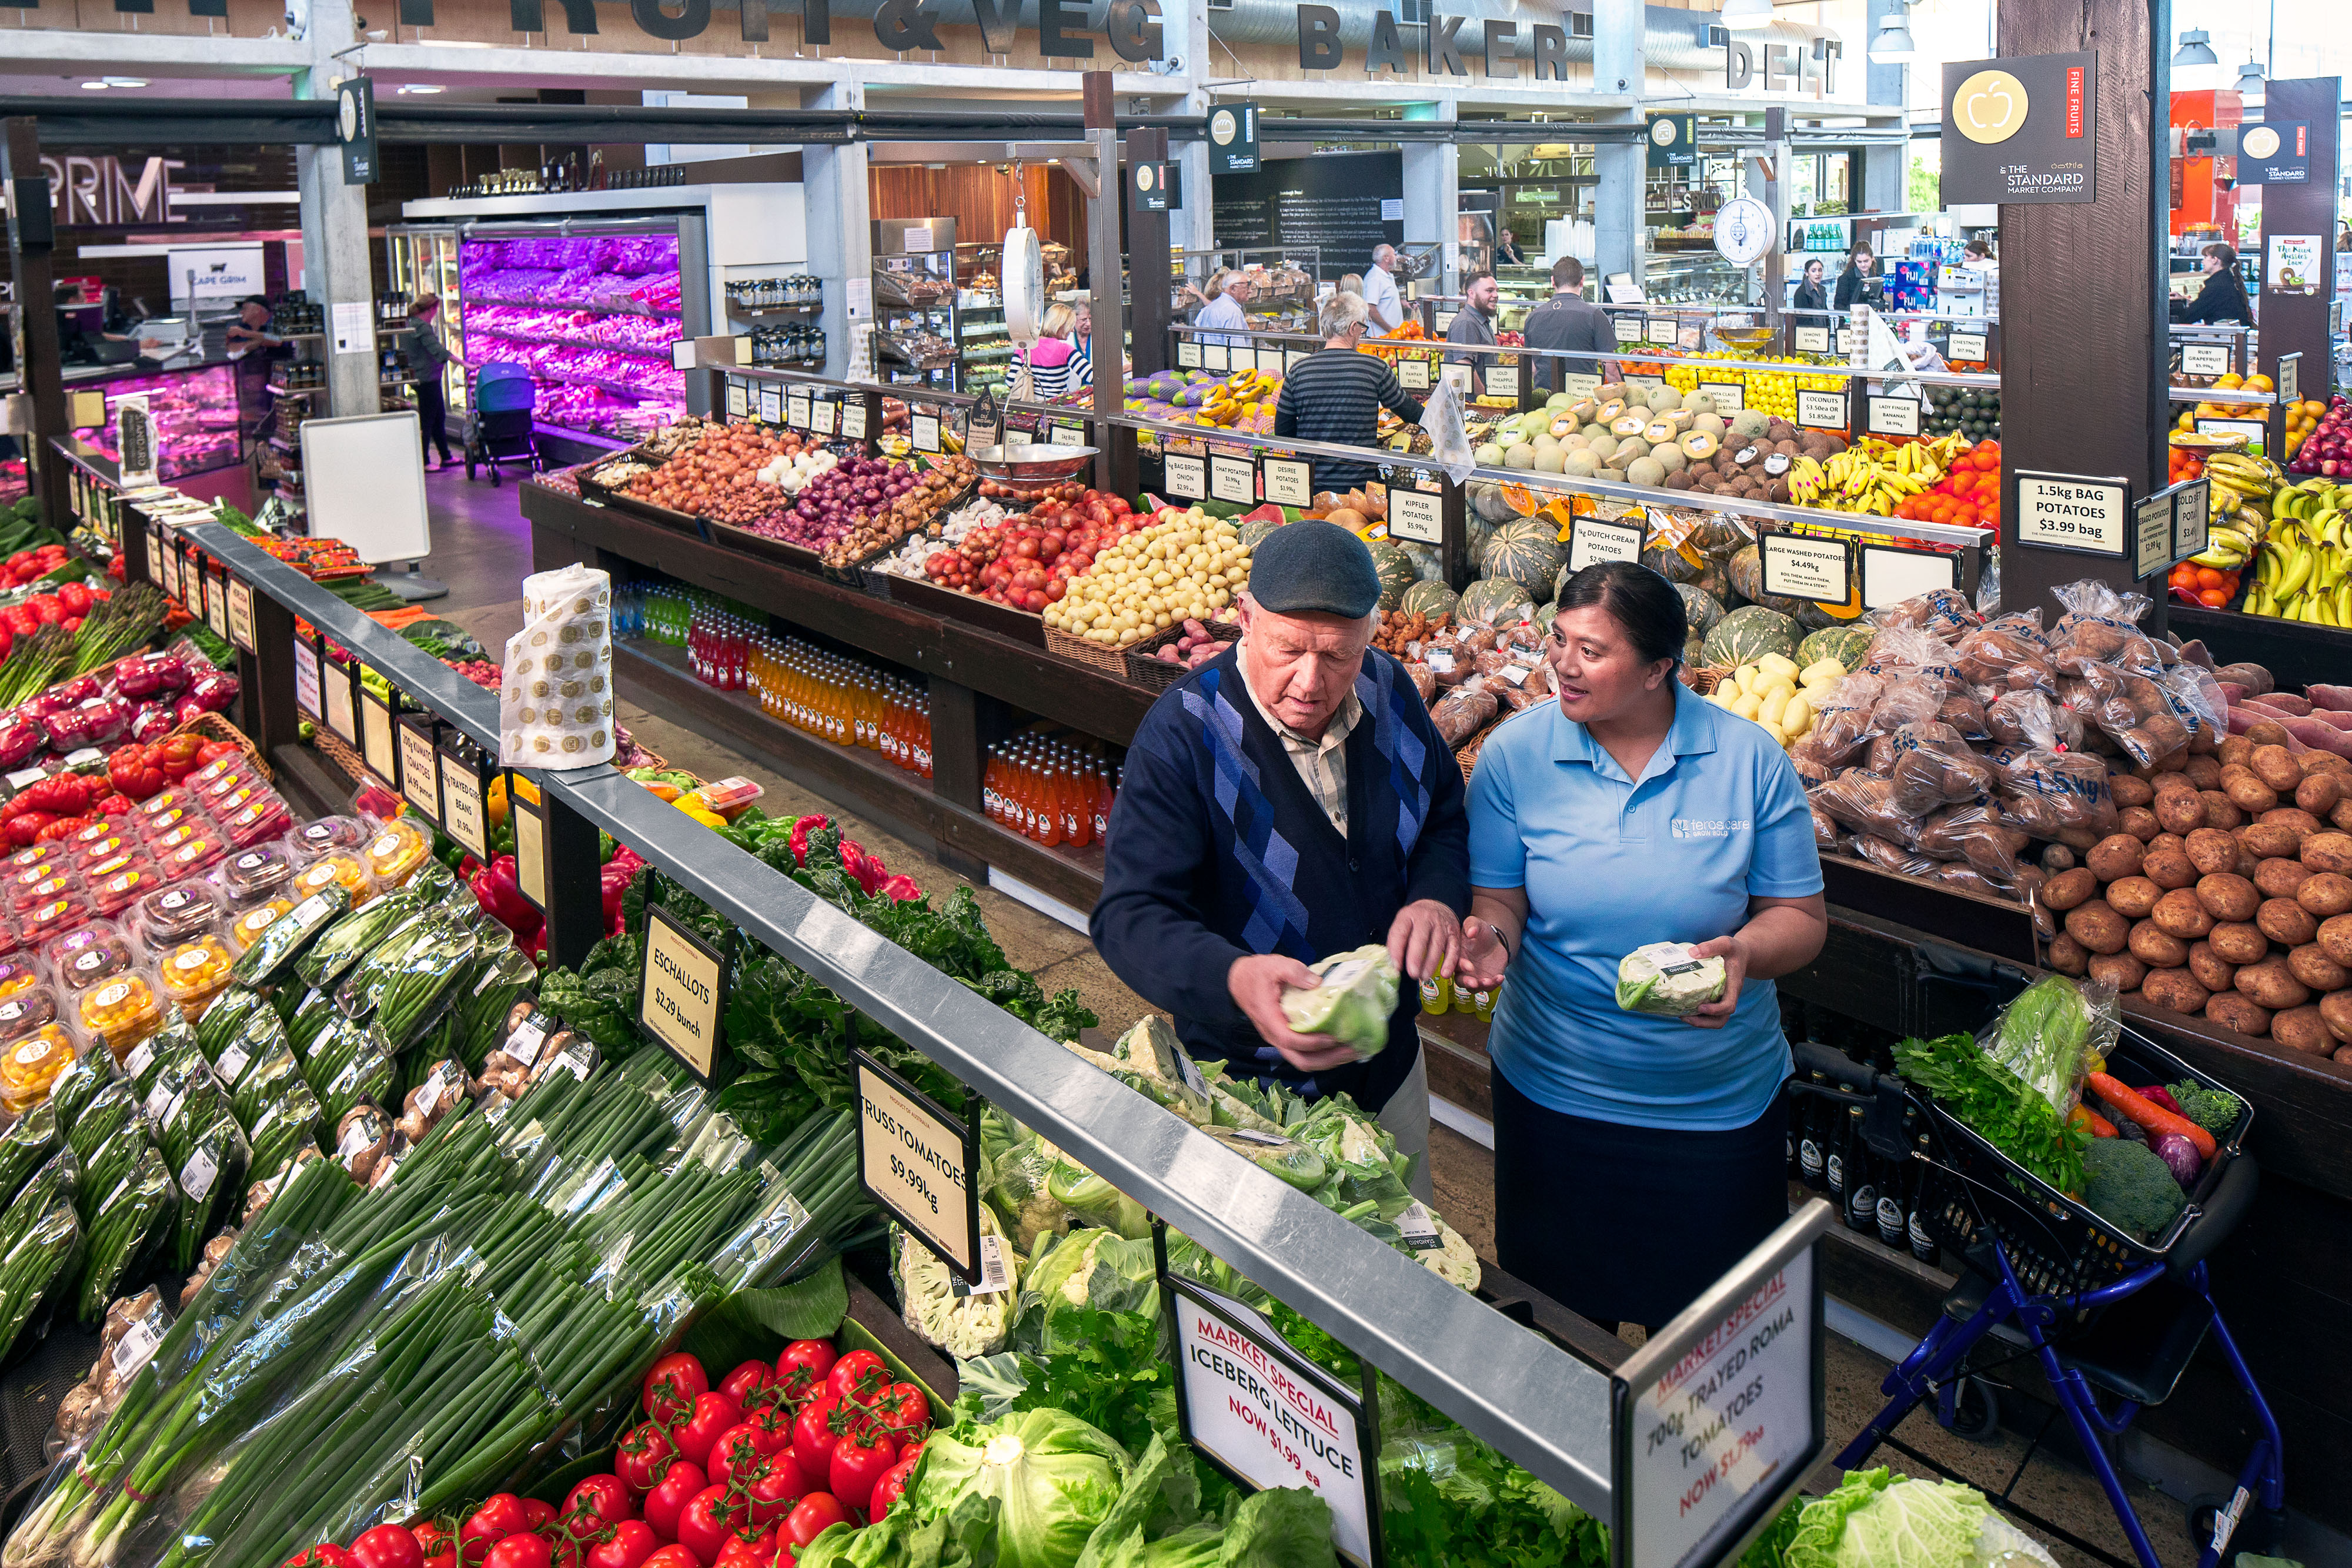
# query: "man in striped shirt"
1336,396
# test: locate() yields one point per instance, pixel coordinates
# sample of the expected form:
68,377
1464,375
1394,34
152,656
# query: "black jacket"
2221,302
1812,297
1850,286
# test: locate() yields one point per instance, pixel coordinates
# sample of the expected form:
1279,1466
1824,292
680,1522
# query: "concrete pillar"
1879,182
840,227
1618,66
1432,196
336,267
1185,34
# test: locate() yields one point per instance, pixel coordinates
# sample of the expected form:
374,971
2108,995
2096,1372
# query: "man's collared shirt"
1322,764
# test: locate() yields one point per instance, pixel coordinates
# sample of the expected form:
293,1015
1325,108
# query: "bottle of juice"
1436,995
1482,1003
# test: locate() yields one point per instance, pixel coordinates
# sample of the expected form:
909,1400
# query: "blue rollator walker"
501,429
2104,1314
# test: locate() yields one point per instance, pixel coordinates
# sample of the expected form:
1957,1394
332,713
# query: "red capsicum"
900,887
860,867
497,889
133,770
613,882
801,831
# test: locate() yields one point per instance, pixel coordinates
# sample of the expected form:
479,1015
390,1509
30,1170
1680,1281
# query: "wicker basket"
1078,650
331,746
212,726
1703,679
1158,673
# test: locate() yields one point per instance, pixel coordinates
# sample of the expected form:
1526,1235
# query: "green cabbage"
1358,992
1015,1165
1054,1477
1873,1520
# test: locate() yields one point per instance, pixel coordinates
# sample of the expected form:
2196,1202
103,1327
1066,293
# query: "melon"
1395,568
1646,471
1699,402
1613,476
1430,599
1750,425
1671,458
1488,456
1520,456
1528,557
1746,635
1700,609
1582,464
1495,601
1663,398
1848,644
1553,460
1602,446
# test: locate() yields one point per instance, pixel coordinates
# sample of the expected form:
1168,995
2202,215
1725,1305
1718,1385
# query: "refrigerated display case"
200,413
592,314
423,259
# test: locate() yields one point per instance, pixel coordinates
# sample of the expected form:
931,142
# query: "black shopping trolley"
2104,1315
499,431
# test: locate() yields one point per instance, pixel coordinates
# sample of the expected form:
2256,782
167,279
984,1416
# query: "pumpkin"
1746,635
1426,565
1544,612
1848,644
1701,609
1395,569
1670,564
1432,599
1497,601
1488,501
1254,531
1530,557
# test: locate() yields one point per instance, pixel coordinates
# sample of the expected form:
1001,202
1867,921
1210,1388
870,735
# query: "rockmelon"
1609,392
1552,459
1628,425
1395,570
1489,455
1593,431
1709,425
1750,425
1520,456
1527,556
1847,644
1628,451
1602,446
1699,402
1699,446
1497,600
1700,608
1646,470
1582,464
1661,398
1670,457
1613,476
1746,635
1430,599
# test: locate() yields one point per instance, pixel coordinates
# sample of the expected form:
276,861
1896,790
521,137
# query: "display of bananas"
2301,545
1872,475
2239,478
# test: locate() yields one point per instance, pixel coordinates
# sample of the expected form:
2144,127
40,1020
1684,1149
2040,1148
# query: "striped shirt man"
1337,395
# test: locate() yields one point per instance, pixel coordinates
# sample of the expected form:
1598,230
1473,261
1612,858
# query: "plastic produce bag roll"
555,696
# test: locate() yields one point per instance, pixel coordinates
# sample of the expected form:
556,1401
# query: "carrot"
2156,1120
2098,1127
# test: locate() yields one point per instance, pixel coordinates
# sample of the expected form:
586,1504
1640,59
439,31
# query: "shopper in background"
251,327
1507,250
1978,252
1224,310
1812,294
1336,394
1637,1158
1352,283
1857,282
1288,800
1474,324
1048,359
426,356
1380,291
1082,347
1568,322
1191,301
2222,300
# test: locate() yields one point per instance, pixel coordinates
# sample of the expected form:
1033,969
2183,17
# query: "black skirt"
1630,1224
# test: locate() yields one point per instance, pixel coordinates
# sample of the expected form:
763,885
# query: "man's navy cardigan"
1218,850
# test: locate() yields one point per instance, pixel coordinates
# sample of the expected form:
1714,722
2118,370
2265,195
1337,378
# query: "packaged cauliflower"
940,1309
1664,979
1357,993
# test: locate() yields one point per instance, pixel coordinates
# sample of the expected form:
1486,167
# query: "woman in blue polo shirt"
1636,1157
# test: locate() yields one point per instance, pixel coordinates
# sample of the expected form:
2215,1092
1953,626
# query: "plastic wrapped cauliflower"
962,1326
1663,978
1440,1246
1351,1003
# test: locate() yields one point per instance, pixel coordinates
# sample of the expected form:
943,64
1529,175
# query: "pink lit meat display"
592,316
196,419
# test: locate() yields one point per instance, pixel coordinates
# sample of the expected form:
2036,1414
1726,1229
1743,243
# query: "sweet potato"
2340,814
2178,914
2175,990
2335,935
2226,895
2318,792
2211,970
2240,942
2270,840
2169,868
2067,956
2154,946
2120,970
2336,1012
2243,1014
2210,850
2302,1028
2139,822
2329,851
2312,966
2285,922
2133,896
2130,790
2096,925
2069,888
2325,894
2253,677
2115,857
2220,811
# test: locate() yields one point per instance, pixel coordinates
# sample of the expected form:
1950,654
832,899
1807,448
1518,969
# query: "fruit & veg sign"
2022,130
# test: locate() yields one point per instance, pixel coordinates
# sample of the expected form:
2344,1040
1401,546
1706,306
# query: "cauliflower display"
962,1326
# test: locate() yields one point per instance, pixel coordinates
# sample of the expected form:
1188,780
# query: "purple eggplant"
213,691
152,722
20,739
149,674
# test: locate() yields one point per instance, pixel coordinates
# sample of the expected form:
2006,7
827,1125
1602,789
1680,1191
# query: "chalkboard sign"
1331,202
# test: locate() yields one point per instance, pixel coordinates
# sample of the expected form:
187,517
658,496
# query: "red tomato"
771,1425
499,1517
860,1369
903,1411
746,1381
678,1486
703,1528
712,1413
388,1546
633,1540
595,1502
439,1546
814,1436
911,1451
858,1461
536,1513
889,1488
527,1550
803,1367
672,1385
645,1455
326,1554
672,1556
779,1483
814,1514
749,1547
736,1453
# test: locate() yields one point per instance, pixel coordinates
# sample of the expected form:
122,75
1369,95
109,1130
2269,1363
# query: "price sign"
1216,357
1502,380
1845,340
683,994
1812,339
825,416
1289,481
463,816
771,405
796,409
1728,397
1798,567
1890,576
1445,322
2253,430
2192,503
1231,479
1645,383
378,749
306,692
216,602
2069,512
918,1161
1413,375
240,614
1578,384
1066,434
1966,348
2289,379
1898,415
924,431
1595,540
738,401
531,843
1416,514
1659,330
1241,358
2205,359
1188,355
420,770
852,420
1458,378
2152,535
1188,477
1625,329
1272,1416
340,717
1821,411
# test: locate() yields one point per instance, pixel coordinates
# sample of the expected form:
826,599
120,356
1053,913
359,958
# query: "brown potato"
2243,1014
2163,780
2079,840
2179,810
2302,1028
2069,888
2329,851
2340,814
2210,850
2285,922
2270,840
2328,762
2312,966
2067,956
2129,790
2247,864
2279,878
2275,766
2056,858
2171,868
2336,1012
2175,990
2204,771
2249,793
2318,792
2133,896
2178,914
2154,946
2140,822
2097,926
2115,857
2120,970
2330,892
2220,811
2303,823
2239,941
2168,842
2234,748
2226,895
2335,935
2211,971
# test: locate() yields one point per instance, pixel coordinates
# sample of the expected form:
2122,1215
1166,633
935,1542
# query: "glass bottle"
1812,1148
1833,1157
1861,1211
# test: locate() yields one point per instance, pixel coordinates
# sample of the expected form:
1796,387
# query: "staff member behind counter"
1637,1158
1286,801
1336,394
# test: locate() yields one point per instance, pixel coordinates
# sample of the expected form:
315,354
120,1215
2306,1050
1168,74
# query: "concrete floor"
483,553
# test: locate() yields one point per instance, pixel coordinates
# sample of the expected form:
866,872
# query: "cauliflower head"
962,1326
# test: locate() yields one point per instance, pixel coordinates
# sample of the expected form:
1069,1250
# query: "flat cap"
1312,565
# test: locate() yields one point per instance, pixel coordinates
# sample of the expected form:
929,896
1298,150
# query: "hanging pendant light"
1893,44
2195,49
1747,15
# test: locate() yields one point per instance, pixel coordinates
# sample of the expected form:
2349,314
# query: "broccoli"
2130,1186
2215,1110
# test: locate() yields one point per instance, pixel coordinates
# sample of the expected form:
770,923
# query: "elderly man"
1380,291
1225,309
1286,801
1474,324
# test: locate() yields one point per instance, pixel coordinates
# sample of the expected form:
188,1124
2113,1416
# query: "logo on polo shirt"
1700,827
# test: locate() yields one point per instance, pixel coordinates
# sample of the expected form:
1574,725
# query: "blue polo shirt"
1609,863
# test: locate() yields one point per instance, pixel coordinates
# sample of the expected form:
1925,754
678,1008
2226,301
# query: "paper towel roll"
555,696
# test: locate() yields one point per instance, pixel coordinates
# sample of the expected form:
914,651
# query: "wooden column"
2083,293
1149,282
30,238
1115,465
2297,323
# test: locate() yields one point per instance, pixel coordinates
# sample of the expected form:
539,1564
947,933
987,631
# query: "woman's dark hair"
1640,601
2227,254
1982,247
1807,269
1854,257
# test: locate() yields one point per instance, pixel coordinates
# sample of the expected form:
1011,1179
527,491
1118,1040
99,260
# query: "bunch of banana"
1806,478
2239,477
1861,480
2302,571
2321,503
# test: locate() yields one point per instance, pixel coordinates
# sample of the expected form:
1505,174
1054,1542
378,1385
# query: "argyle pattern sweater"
1217,850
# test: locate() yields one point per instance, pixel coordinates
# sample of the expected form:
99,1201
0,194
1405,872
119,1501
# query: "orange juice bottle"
1104,794
1049,807
922,735
1077,808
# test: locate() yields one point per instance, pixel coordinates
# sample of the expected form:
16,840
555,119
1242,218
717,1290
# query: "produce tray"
1158,673
985,614
800,557
680,522
1079,651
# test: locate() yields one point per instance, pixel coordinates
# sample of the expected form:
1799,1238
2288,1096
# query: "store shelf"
2296,652
600,307
815,310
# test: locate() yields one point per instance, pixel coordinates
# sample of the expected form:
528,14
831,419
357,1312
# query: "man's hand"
1423,938
1715,1015
1257,986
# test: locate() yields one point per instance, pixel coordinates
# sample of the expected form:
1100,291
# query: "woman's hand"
1484,957
1255,984
1733,951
